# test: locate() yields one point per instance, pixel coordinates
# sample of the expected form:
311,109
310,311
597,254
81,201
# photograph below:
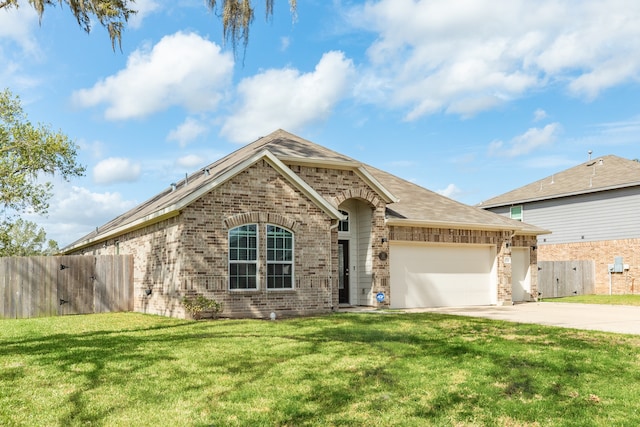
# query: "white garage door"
441,276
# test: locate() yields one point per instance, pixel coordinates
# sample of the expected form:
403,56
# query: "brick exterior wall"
498,239
187,254
602,253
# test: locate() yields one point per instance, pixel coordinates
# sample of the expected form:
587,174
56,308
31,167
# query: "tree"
28,154
24,238
237,15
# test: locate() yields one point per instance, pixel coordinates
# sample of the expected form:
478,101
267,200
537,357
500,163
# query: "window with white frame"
243,257
343,225
516,212
279,258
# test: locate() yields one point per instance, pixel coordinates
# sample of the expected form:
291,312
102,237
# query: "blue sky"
469,98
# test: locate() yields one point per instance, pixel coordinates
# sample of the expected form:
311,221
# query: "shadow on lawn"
383,348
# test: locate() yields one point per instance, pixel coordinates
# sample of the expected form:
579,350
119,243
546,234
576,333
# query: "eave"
175,208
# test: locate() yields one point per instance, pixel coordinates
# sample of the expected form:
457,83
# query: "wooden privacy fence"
61,285
566,278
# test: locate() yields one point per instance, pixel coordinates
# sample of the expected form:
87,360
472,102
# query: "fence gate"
566,278
62,285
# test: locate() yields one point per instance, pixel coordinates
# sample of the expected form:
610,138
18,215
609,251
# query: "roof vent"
186,178
173,186
206,171
601,162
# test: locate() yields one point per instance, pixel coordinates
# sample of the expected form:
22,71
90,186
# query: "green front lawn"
600,299
366,369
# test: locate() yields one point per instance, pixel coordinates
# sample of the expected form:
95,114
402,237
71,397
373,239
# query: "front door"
343,271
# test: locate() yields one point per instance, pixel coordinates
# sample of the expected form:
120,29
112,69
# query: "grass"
372,369
600,299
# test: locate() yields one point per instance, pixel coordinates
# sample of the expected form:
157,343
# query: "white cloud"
539,114
182,69
189,130
285,42
144,8
17,25
190,161
451,191
76,211
286,98
469,56
116,169
18,42
532,139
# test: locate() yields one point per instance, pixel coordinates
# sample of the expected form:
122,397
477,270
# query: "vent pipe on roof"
206,171
186,178
590,152
601,162
173,187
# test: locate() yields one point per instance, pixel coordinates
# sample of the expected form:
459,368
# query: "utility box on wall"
618,266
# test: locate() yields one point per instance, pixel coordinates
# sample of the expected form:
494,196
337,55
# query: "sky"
468,98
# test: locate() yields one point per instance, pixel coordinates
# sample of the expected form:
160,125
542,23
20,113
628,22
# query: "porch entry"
343,271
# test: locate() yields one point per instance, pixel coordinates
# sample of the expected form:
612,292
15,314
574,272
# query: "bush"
199,305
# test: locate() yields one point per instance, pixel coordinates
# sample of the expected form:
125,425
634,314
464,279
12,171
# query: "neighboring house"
287,226
593,212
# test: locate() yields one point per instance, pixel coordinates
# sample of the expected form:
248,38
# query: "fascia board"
318,162
376,185
400,222
518,230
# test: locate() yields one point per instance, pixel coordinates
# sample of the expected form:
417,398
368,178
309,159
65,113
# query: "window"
243,257
343,225
279,258
516,212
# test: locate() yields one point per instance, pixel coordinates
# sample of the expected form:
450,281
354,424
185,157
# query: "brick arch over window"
261,217
362,193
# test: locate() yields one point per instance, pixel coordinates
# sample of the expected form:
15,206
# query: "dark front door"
343,271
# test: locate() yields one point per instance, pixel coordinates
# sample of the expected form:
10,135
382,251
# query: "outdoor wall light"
62,266
384,240
534,247
147,292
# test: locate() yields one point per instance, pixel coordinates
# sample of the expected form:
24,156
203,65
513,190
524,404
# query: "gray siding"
607,215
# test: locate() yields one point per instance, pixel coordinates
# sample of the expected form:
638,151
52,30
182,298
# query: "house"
592,211
287,226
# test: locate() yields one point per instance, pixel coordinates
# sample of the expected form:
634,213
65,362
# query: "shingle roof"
406,201
600,174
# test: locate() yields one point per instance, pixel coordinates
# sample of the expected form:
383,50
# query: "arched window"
279,258
243,257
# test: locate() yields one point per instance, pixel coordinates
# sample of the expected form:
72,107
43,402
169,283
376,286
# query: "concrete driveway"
596,317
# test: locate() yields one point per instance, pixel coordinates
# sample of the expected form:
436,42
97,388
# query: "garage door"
440,276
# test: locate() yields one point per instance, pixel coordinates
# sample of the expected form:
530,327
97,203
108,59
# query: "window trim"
290,262
255,262
521,216
346,221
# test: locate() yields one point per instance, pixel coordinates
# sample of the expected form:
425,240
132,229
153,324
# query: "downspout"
332,227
